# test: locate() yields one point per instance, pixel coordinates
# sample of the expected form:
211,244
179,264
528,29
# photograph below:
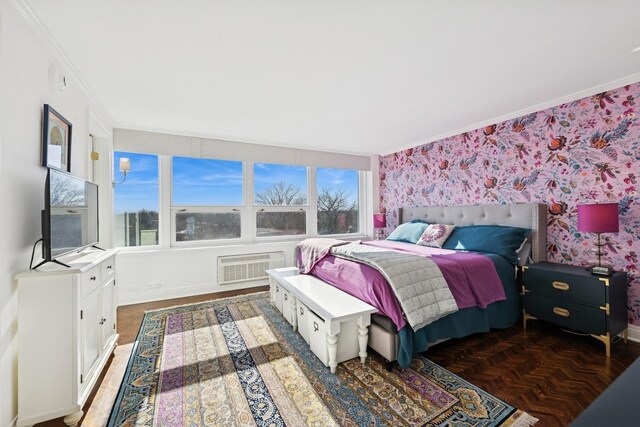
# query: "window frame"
248,210
173,210
361,202
306,208
139,248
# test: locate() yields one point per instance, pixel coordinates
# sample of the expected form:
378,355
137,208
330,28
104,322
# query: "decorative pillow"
435,235
408,232
497,239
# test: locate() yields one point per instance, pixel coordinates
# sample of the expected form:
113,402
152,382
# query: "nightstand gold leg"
526,317
625,335
606,339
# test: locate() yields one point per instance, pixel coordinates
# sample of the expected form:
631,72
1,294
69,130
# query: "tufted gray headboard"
529,215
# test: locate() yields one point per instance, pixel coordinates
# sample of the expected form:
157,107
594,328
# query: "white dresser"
66,333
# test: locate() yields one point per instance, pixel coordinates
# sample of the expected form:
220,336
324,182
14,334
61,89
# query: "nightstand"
571,297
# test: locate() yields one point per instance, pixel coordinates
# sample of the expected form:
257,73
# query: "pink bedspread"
472,278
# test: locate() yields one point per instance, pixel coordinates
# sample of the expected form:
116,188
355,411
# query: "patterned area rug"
237,361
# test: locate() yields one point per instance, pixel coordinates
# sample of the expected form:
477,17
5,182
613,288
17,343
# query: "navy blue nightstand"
571,297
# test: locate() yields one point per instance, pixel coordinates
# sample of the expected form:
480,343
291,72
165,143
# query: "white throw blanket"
313,250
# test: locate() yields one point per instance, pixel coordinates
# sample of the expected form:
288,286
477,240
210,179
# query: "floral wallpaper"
583,151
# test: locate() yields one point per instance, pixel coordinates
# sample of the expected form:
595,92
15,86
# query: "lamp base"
601,270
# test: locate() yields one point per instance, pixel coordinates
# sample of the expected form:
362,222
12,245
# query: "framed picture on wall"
56,140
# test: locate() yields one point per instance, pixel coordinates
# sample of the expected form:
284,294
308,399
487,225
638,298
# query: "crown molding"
45,36
614,84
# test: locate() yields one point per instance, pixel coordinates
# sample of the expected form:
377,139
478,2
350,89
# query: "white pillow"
435,235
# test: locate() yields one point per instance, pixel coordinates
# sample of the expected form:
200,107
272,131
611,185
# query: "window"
280,199
205,197
135,200
338,201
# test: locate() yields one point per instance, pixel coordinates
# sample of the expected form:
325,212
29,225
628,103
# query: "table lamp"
599,218
379,222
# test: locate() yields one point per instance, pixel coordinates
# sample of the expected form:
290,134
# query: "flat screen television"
70,215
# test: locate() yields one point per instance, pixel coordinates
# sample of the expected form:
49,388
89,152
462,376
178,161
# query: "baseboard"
14,421
180,292
634,333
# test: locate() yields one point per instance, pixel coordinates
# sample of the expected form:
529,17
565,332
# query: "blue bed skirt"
499,315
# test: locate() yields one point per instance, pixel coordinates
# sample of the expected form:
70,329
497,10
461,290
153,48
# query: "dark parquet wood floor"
551,374
547,372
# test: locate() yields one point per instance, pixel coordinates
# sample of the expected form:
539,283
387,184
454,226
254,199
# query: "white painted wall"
182,271
24,88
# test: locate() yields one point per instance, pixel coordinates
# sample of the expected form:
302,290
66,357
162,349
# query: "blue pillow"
409,232
497,239
422,221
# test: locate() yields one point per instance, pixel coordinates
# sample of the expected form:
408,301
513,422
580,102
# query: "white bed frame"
530,215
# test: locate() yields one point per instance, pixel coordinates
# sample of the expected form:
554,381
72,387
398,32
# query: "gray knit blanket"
416,281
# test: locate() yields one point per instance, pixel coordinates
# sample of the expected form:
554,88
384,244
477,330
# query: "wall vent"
247,267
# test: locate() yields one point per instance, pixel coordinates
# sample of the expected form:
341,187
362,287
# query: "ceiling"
359,76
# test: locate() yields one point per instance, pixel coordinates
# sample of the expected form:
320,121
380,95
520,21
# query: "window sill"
263,242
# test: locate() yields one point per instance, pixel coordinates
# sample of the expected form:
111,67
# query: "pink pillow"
435,235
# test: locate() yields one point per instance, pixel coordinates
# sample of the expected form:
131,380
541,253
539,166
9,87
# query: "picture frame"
56,140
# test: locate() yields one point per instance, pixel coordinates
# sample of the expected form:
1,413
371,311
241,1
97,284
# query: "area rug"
237,361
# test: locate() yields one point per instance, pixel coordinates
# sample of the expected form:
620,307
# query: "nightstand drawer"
582,289
567,314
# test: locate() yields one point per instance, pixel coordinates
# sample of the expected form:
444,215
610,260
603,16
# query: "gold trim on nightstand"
562,286
606,339
524,290
524,268
605,308
605,280
561,311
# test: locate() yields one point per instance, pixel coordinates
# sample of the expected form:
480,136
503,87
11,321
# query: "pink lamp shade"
379,220
598,218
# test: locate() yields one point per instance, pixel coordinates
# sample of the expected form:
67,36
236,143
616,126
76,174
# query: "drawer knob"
286,297
277,290
109,267
562,286
92,278
301,311
561,311
315,327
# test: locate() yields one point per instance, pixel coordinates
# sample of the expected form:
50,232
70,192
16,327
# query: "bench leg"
332,344
363,339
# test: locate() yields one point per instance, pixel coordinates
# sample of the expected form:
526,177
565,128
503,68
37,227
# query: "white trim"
633,78
634,333
14,421
184,291
45,36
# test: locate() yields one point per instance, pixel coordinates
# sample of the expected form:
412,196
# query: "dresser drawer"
91,279
567,314
582,289
108,269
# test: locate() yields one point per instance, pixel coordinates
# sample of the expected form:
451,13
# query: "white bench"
334,323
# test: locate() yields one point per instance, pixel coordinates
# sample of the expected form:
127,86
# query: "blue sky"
200,182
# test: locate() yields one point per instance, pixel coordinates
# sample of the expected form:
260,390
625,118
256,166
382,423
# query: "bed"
400,345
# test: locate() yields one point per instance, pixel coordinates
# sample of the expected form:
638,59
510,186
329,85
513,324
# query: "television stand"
54,261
